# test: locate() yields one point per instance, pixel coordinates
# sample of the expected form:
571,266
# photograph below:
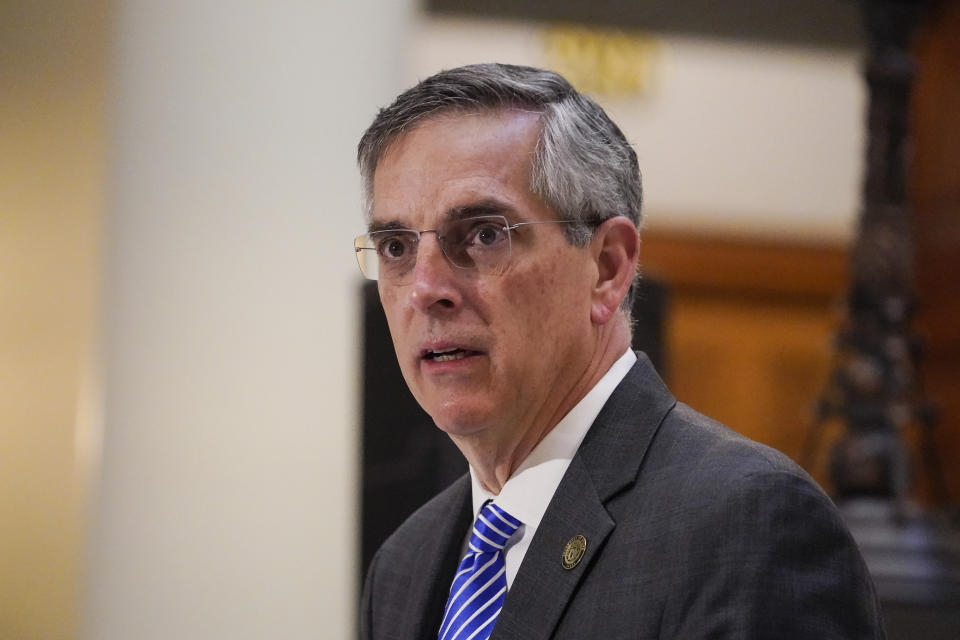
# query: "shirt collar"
529,489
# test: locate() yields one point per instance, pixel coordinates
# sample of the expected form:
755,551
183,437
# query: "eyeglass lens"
481,243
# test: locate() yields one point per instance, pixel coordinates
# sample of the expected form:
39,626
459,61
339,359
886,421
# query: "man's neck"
494,459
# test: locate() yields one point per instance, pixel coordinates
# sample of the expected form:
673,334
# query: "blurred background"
183,327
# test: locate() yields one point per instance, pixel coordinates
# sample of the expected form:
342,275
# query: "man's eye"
487,234
393,247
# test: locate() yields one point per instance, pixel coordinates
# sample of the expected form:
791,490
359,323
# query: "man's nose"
434,285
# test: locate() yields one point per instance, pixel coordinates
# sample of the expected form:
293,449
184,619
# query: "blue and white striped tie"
480,586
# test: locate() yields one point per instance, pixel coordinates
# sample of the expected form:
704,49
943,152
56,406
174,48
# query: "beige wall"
52,75
227,496
247,522
733,137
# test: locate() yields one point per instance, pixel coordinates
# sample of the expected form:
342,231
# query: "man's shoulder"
645,435
706,456
741,522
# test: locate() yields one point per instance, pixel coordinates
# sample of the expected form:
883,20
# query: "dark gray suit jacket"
692,532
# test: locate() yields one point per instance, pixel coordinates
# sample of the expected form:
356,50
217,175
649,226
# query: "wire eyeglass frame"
481,243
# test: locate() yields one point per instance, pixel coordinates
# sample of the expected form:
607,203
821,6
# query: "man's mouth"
447,355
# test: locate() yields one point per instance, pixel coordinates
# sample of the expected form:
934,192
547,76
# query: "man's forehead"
515,129
456,165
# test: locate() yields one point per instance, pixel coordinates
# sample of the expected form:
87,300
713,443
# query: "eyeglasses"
481,243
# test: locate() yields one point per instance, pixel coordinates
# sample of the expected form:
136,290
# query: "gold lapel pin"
573,552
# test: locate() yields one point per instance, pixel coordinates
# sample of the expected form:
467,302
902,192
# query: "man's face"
525,336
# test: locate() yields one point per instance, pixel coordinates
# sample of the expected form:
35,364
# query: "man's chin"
463,421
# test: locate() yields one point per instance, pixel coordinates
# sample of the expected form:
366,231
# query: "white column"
229,481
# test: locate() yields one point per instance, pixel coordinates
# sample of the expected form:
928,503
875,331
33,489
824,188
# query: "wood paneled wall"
750,323
749,329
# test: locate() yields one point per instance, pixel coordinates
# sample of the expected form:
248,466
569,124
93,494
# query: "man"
503,209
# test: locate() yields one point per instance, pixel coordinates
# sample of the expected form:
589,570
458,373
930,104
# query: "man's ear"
615,248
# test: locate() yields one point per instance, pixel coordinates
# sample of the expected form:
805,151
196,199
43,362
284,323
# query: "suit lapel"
608,461
432,569
617,442
540,592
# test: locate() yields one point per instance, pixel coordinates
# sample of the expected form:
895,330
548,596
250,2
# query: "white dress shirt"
528,491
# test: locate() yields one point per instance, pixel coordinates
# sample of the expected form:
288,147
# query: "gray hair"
583,167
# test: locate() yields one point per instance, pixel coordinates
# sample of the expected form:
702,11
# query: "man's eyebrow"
376,225
485,207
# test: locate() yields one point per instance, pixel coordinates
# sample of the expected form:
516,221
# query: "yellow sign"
601,61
